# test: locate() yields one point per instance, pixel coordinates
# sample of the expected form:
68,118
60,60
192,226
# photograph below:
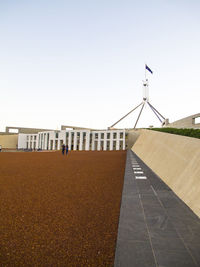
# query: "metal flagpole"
145,100
125,115
155,113
139,114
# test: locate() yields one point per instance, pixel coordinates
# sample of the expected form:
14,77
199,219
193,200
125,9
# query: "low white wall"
22,139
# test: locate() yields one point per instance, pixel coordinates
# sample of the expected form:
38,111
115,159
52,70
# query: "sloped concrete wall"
176,159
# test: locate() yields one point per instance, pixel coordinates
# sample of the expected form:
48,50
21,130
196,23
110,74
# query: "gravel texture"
60,210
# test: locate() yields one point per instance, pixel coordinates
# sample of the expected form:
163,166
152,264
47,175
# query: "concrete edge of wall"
132,137
176,160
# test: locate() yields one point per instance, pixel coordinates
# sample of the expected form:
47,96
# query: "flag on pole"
147,68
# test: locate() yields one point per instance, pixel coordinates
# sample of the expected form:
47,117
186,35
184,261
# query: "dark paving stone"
156,217
153,211
144,187
134,254
130,190
131,205
149,200
168,243
169,199
166,258
133,229
189,233
194,249
161,227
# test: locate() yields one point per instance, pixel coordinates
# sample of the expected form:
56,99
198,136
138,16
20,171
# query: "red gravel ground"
60,210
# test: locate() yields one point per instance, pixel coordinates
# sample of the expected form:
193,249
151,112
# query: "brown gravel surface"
60,210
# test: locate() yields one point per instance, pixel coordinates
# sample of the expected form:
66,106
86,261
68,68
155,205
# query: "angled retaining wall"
176,159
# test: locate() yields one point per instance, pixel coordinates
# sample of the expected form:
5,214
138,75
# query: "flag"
147,68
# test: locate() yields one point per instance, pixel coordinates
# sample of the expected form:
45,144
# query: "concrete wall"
188,122
9,141
25,130
132,137
176,159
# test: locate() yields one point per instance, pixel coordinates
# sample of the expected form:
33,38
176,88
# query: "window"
108,135
67,134
56,135
96,135
115,135
13,130
35,137
121,135
197,120
102,136
78,134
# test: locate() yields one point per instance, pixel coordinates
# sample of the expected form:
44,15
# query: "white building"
77,139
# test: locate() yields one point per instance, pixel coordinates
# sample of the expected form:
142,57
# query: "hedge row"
186,132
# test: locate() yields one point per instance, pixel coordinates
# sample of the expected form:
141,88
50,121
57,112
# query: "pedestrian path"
156,228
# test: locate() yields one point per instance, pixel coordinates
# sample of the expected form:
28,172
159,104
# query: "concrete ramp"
176,160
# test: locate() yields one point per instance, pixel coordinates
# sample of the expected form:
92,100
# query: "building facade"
77,139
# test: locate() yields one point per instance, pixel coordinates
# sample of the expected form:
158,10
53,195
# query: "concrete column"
59,143
70,140
93,136
45,141
117,143
49,143
124,138
75,140
40,141
54,143
105,141
37,139
87,143
81,141
111,140
99,142
29,142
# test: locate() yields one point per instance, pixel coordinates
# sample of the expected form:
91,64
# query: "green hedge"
186,132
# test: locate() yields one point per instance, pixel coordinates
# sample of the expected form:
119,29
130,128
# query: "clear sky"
82,62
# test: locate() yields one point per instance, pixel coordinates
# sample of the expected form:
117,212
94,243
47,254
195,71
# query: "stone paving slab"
156,228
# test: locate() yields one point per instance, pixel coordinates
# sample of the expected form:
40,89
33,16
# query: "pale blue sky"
82,62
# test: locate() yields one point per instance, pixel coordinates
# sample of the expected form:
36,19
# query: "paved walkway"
156,229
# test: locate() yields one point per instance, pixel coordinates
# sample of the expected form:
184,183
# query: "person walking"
63,149
66,149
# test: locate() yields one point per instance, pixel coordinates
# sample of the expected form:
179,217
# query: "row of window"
102,135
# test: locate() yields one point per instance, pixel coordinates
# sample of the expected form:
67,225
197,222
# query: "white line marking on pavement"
139,169
138,172
140,177
154,190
